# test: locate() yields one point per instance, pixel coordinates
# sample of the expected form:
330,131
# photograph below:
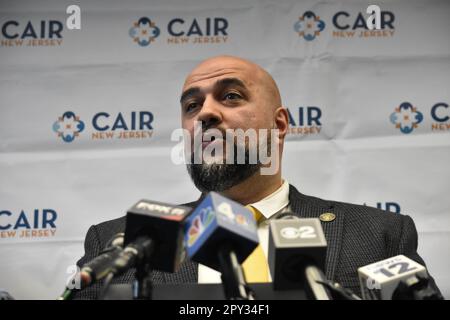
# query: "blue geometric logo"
406,117
309,26
144,31
68,126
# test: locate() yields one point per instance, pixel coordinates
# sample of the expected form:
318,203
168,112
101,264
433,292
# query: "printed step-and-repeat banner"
86,115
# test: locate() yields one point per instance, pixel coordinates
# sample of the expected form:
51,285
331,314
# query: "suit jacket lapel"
310,207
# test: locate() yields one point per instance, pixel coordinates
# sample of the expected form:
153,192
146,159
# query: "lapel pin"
327,217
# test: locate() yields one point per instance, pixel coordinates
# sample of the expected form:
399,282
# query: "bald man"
226,94
231,93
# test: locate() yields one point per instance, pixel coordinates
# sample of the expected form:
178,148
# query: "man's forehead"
211,71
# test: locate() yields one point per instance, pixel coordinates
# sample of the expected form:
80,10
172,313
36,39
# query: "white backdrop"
353,152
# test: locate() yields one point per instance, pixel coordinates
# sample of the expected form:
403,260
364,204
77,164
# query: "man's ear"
281,121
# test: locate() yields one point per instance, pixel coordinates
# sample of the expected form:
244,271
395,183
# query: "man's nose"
210,114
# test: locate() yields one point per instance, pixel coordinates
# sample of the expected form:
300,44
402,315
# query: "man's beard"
222,176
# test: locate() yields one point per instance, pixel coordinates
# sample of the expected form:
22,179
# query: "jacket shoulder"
353,212
360,221
372,225
107,229
364,217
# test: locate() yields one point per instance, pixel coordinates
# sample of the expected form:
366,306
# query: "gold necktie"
255,266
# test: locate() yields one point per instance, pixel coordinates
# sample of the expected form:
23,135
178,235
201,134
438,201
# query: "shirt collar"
274,202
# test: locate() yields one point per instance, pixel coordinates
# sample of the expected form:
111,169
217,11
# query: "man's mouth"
209,140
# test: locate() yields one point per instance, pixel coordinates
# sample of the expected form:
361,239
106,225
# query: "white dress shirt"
274,203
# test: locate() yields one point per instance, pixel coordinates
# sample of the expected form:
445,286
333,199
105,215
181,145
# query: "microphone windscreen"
218,221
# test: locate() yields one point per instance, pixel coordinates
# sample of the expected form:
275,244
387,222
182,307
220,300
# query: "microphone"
396,278
96,269
297,251
163,224
153,240
4,295
99,267
221,234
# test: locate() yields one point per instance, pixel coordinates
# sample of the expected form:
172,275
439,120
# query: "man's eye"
191,106
232,96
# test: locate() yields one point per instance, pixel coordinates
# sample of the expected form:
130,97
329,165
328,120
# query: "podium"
194,291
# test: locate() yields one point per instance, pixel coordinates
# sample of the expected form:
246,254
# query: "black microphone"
221,234
397,278
417,288
163,224
99,267
297,251
96,269
153,241
4,295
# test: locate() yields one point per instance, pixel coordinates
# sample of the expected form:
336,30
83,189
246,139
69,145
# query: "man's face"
225,93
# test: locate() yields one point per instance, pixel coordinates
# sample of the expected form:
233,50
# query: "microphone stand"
233,279
314,279
320,288
143,284
136,254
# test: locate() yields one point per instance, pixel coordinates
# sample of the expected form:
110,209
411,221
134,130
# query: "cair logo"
125,126
305,120
344,24
38,223
68,126
347,25
144,31
15,33
440,114
406,117
309,26
210,30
